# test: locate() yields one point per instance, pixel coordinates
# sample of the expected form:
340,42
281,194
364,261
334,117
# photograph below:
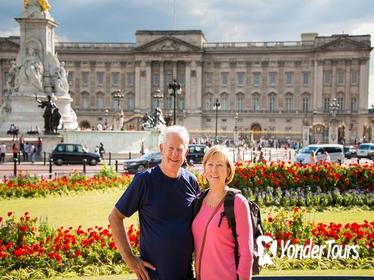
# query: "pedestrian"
15,150
327,156
25,152
97,150
261,155
2,152
39,144
210,228
163,197
312,158
22,145
101,150
31,152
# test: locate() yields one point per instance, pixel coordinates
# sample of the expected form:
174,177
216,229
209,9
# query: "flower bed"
26,186
42,251
25,246
286,184
335,246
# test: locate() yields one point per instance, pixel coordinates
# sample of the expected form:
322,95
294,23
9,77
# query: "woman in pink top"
214,242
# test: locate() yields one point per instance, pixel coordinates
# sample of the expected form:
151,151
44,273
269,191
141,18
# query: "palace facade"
276,89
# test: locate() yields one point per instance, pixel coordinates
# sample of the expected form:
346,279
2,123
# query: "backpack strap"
228,207
198,202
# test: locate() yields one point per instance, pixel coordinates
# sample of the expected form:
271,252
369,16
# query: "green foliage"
108,172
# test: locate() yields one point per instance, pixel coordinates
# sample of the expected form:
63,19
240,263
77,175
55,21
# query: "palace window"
100,101
326,105
256,102
209,78
239,102
273,78
306,78
115,79
327,78
354,105
341,103
156,79
340,77
85,77
289,78
224,79
272,103
257,79
130,79
354,77
305,104
240,79
99,78
289,103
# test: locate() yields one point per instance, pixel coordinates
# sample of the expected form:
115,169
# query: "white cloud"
10,32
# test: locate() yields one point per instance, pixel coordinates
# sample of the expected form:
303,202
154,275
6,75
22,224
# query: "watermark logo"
264,257
268,248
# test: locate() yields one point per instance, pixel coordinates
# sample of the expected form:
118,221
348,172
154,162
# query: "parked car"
196,152
335,152
64,153
350,152
371,155
147,160
365,149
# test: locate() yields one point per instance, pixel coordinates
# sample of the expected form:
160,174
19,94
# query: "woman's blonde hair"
222,151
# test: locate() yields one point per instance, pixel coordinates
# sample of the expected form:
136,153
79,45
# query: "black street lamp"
333,133
216,107
334,107
174,89
106,119
119,96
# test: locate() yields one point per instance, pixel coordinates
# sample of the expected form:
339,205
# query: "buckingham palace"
278,89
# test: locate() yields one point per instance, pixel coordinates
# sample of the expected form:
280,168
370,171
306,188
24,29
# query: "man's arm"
136,264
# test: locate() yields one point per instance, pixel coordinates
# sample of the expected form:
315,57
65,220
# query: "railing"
271,44
95,45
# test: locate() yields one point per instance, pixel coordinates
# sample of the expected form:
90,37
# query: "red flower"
112,245
10,214
23,228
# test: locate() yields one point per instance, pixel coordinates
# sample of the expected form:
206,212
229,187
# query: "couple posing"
164,197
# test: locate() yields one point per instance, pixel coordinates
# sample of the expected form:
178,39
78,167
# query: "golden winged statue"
43,4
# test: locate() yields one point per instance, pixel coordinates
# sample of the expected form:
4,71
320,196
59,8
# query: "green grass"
337,215
86,209
92,209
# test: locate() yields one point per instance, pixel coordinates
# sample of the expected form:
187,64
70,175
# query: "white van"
335,151
365,149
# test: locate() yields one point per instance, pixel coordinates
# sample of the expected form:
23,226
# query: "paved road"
39,169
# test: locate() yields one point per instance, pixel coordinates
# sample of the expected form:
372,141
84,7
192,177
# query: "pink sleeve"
245,239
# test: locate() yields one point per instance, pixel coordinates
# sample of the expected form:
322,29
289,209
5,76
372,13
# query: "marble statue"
61,82
31,71
12,81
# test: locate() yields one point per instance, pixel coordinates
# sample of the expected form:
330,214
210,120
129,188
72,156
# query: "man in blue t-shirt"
163,197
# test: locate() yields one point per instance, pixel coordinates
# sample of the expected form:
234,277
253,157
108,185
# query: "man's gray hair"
175,129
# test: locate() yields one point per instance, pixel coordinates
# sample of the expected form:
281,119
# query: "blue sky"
219,20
